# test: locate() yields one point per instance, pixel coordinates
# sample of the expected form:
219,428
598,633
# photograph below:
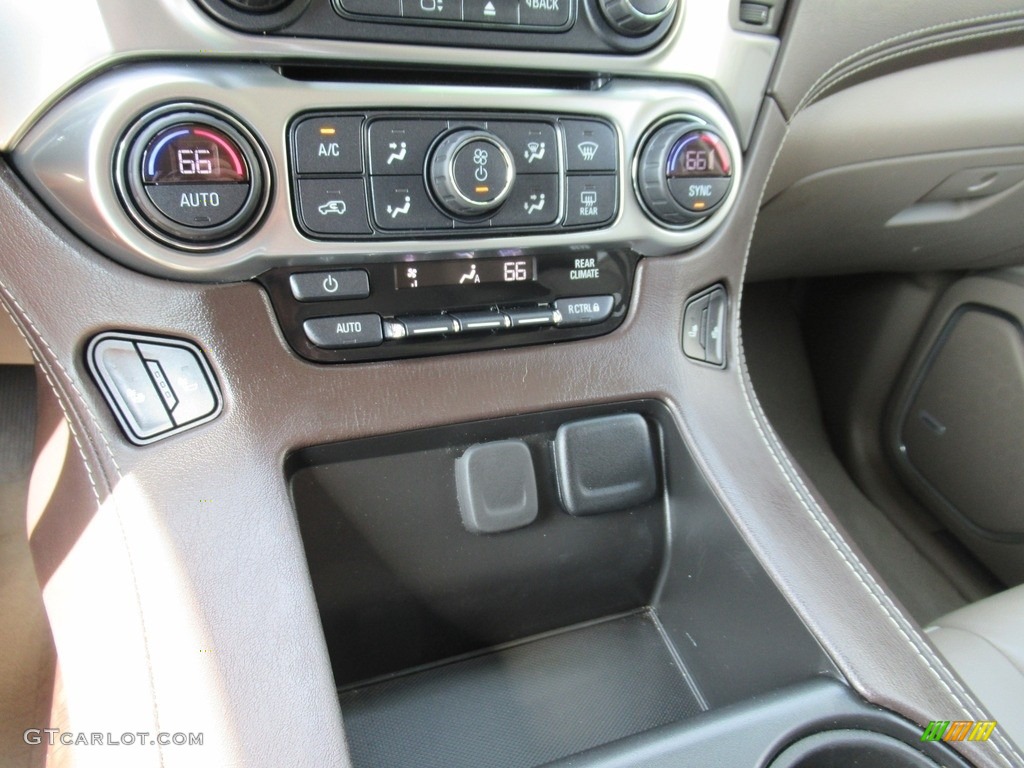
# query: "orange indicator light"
328,131
482,190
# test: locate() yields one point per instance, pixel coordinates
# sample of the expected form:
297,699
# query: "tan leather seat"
984,643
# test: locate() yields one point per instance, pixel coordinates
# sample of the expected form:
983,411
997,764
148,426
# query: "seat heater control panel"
156,386
704,319
387,175
414,308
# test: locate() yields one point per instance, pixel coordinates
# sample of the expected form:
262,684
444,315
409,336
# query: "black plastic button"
440,10
589,146
715,344
131,389
591,200
328,145
699,195
543,13
327,286
428,325
532,202
695,328
183,373
605,464
402,203
484,320
584,310
534,146
480,171
392,8
155,385
344,332
333,206
199,205
399,147
526,317
490,12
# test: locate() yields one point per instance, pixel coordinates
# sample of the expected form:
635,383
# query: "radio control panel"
380,175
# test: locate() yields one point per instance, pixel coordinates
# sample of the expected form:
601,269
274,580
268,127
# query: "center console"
433,306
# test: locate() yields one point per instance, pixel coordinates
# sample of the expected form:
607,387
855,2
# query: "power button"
330,286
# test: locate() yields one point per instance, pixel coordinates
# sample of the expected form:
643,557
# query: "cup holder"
850,749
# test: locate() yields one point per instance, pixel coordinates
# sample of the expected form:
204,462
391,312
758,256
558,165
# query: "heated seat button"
328,145
345,332
584,310
590,200
185,375
589,146
130,389
715,344
328,286
156,385
399,147
695,324
333,206
198,205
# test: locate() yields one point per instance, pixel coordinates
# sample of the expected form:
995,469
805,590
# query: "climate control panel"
389,310
379,175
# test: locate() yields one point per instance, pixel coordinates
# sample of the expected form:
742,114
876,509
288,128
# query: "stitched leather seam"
936,28
932,662
908,51
53,387
41,361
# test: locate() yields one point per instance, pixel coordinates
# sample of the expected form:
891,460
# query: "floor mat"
785,387
27,664
17,421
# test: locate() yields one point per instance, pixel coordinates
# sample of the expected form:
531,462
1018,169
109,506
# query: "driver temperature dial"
471,172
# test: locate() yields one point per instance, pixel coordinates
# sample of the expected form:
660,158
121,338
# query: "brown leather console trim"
212,541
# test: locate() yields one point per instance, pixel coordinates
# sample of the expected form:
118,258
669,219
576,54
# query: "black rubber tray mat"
525,705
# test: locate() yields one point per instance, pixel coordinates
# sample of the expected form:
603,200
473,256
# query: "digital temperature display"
698,155
193,154
423,274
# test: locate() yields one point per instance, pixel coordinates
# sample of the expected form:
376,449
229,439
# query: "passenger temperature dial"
194,179
684,173
471,172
